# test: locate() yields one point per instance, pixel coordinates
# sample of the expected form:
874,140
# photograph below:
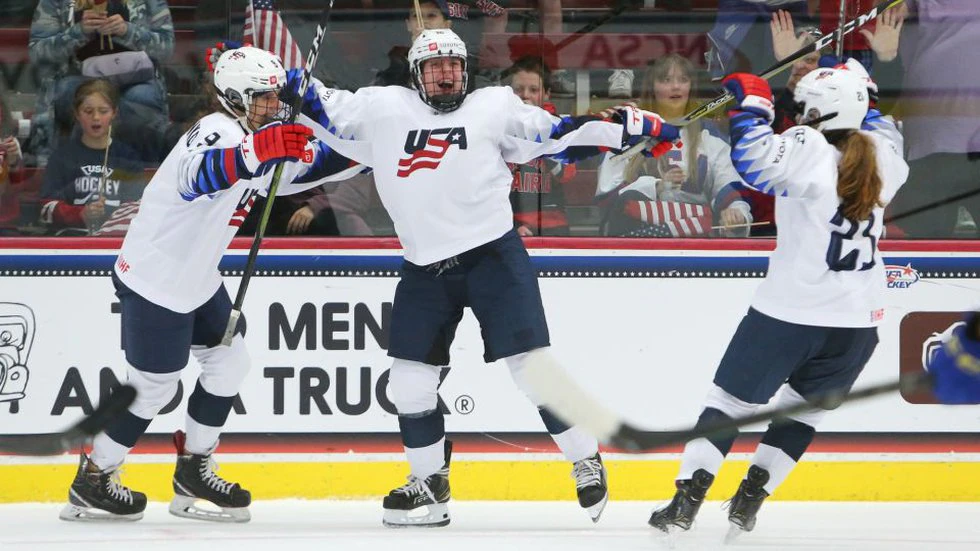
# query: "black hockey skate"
590,485
420,502
744,506
98,495
682,510
195,479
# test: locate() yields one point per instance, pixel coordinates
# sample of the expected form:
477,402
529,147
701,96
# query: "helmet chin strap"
816,122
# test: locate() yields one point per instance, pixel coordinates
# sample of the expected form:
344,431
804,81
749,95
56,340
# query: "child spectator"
122,40
536,193
77,196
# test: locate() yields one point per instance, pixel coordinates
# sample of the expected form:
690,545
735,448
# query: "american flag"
265,29
679,219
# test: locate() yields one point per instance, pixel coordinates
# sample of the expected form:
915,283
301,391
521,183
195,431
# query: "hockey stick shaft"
631,438
841,19
930,206
775,69
297,106
77,434
563,397
612,14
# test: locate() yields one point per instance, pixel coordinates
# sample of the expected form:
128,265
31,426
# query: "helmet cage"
436,44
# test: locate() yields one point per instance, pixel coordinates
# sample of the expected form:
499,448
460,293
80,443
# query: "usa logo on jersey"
426,148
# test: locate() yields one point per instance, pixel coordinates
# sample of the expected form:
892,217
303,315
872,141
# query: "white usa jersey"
443,177
171,252
826,270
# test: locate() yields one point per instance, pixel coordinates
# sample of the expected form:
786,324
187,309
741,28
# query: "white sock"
776,462
107,453
699,454
576,444
201,439
426,461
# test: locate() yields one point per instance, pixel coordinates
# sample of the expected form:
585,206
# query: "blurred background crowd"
94,93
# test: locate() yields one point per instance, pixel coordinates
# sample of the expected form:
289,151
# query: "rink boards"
642,325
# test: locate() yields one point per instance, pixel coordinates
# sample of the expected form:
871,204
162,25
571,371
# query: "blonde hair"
98,86
659,70
858,183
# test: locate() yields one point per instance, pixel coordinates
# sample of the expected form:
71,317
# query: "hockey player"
440,163
955,368
812,322
172,296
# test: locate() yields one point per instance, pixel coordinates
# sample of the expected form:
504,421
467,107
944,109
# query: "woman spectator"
77,196
634,193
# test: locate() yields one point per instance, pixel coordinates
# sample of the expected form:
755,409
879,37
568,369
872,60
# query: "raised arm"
769,162
205,169
532,132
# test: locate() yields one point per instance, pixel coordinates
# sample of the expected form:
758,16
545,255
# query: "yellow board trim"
527,480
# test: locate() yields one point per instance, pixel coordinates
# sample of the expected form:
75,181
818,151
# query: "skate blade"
734,531
78,513
187,507
432,516
667,537
596,510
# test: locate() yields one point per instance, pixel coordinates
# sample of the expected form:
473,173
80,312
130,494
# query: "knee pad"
153,391
413,386
223,368
789,398
731,406
515,364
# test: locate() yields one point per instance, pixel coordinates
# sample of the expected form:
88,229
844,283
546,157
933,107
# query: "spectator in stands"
436,14
11,174
736,20
90,176
536,194
940,109
122,40
642,197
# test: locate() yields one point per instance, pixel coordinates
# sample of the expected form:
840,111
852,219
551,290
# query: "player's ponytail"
858,183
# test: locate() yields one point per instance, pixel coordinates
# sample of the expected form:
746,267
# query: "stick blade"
61,442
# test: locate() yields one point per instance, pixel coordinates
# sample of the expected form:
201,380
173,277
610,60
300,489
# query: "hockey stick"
841,18
775,69
77,434
572,404
612,14
930,206
253,253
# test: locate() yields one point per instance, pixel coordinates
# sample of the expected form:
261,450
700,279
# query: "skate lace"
587,472
415,487
117,490
212,479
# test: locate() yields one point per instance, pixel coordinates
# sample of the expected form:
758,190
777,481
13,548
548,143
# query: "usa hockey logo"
426,148
16,339
900,277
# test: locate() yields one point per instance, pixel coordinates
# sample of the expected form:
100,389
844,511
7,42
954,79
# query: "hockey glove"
639,125
752,94
212,54
274,142
955,367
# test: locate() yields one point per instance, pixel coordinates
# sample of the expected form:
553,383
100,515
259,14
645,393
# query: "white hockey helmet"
433,44
243,73
832,99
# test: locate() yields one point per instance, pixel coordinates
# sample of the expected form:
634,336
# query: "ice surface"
504,526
